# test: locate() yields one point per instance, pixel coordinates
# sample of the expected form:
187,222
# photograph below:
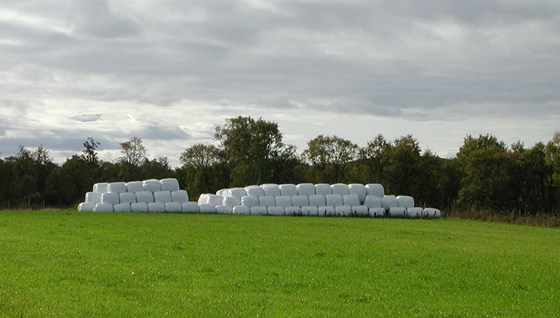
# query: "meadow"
70,264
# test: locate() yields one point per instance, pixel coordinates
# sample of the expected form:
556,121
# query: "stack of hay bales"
138,196
304,199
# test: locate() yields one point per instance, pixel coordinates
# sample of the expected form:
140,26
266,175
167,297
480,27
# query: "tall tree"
133,155
199,164
330,156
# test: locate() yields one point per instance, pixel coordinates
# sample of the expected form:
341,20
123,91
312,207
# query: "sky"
170,72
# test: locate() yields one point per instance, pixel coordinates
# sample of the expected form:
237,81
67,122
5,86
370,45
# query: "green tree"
330,157
133,155
199,165
374,158
402,170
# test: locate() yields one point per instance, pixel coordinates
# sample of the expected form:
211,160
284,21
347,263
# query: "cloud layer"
169,72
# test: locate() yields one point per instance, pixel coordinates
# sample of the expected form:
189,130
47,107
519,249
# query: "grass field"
70,264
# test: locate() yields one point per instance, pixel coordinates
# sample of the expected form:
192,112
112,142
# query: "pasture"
65,263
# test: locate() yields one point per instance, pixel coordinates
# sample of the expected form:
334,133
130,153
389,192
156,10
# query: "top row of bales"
152,185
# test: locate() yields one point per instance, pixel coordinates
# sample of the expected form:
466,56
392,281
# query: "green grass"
70,264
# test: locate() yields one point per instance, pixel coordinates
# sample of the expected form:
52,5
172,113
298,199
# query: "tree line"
485,175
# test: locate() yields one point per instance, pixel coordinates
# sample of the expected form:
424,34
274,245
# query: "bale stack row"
138,196
313,200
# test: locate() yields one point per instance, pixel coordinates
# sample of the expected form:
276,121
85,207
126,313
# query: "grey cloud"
157,131
96,18
86,117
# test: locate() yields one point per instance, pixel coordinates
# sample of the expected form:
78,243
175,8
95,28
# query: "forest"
486,175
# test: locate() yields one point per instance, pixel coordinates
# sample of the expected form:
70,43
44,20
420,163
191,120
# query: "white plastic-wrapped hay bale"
372,201
231,201
163,196
151,185
326,211
284,201
156,207
110,198
250,201
121,207
340,188
317,200
144,197
375,189
360,210
241,209
267,200
305,189
377,212
116,187
351,199
93,197
323,188
100,187
343,210
214,199
190,207
224,209
397,212
271,189
405,201
414,212
173,207
127,197
358,189
309,210
222,192
139,207
300,200
292,210
103,207
86,207
288,189
254,190
169,184
432,213
203,198
207,208
275,210
259,210
134,186
180,196
390,201
334,200
236,192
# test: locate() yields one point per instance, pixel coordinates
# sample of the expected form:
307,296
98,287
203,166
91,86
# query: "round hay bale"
267,200
254,190
180,196
236,192
222,192
358,189
110,198
432,213
375,189
121,207
340,188
156,207
100,187
389,201
414,212
351,199
310,210
397,212
231,201
139,207
134,186
127,197
224,209
326,211
317,200
405,201
151,185
360,210
207,208
275,210
162,196
334,200
86,207
241,209
292,210
191,207
116,187
258,210
377,212
305,189
288,189
169,184
144,197
300,200
173,207
103,207
93,197
271,189
372,201
343,210
284,201
250,201
323,188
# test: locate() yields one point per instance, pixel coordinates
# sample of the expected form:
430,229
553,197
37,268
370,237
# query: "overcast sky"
169,72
